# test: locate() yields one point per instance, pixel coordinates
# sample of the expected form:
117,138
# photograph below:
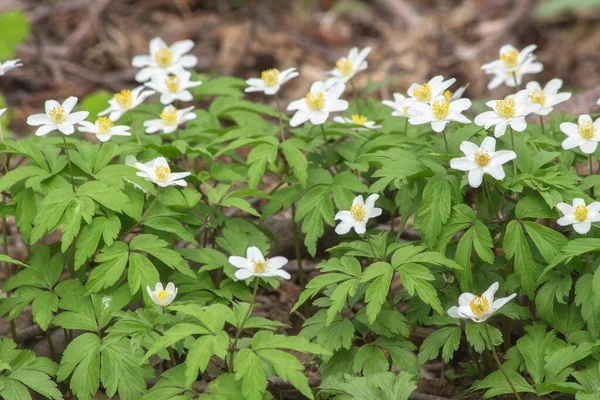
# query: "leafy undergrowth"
169,193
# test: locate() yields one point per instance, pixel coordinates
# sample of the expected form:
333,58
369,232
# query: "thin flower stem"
514,75
591,166
70,164
51,346
297,246
542,125
500,367
446,142
135,131
279,112
241,327
323,133
13,328
368,239
355,96
512,141
405,125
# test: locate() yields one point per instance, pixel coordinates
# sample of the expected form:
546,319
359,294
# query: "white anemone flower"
319,102
547,97
585,134
104,129
428,91
579,215
511,111
439,112
162,296
158,172
479,308
57,117
173,86
126,100
164,59
400,105
353,63
357,119
256,265
511,65
358,216
8,65
170,119
482,160
270,81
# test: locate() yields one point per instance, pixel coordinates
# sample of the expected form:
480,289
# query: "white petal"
276,263
475,177
242,274
253,253
239,262
582,227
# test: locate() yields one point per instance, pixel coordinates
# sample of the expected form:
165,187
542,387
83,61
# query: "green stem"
51,346
542,125
515,79
489,337
297,246
368,239
144,215
323,133
512,141
355,96
591,173
446,142
241,327
405,125
135,131
282,132
70,164
13,327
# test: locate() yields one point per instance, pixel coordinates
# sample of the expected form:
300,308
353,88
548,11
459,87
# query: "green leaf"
385,386
121,370
109,197
16,28
296,159
533,207
112,262
43,308
517,249
370,360
497,384
141,273
548,241
533,347
381,274
447,338
415,278
89,237
81,361
315,207
477,337
200,352
248,368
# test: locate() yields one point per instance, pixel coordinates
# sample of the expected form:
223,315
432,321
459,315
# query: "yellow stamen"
163,57
480,306
124,98
358,211
172,83
448,95
162,172
422,92
260,266
506,108
510,59
586,130
104,124
440,109
270,77
315,100
162,294
581,213
358,119
344,66
58,115
538,96
169,116
482,158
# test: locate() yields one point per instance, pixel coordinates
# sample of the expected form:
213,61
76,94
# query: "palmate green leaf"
533,207
173,335
343,291
158,248
548,241
249,370
573,249
89,237
258,159
141,273
120,370
315,207
477,337
416,278
496,384
170,386
21,370
287,367
559,365
43,308
402,353
81,361
109,197
381,274
332,337
296,159
17,175
370,360
200,352
26,211
556,289
533,348
171,225
51,212
78,209
381,386
447,339
435,209
517,249
112,261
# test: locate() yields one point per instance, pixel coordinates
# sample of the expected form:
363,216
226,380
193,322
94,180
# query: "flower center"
162,294
270,77
422,92
405,110
586,130
538,96
344,66
260,266
124,98
172,83
482,158
358,119
163,57
104,124
581,213
358,211
448,95
510,59
506,108
440,109
315,100
169,116
58,115
162,172
479,306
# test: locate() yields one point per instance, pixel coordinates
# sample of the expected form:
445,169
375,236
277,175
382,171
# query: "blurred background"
77,47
